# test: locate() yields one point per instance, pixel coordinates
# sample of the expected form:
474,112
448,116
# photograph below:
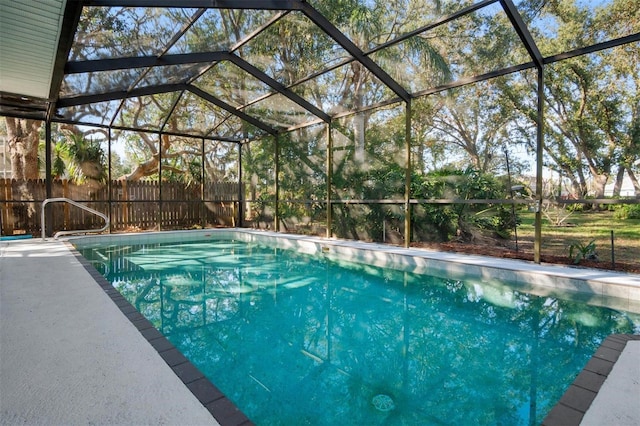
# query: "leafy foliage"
85,158
431,222
583,251
628,211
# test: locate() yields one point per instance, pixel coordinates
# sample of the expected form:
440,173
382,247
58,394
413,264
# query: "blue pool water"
292,339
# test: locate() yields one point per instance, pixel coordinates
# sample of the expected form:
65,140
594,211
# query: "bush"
627,211
583,251
462,219
501,223
577,208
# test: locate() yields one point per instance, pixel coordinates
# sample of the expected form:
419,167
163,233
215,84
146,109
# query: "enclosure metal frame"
72,17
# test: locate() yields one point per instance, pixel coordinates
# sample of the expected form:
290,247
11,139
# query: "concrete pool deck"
71,352
69,355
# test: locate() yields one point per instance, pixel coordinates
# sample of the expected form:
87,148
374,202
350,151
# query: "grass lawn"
582,228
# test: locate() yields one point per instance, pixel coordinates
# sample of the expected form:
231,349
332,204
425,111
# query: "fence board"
133,206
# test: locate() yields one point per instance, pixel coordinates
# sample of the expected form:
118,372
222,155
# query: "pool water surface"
295,339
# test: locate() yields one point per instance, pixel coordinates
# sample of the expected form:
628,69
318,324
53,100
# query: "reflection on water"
296,340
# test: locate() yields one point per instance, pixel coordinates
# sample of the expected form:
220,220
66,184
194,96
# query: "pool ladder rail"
79,205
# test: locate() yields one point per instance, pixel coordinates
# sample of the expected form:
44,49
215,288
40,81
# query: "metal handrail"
73,203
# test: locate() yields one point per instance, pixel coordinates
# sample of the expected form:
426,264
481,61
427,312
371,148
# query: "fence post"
613,255
65,194
124,200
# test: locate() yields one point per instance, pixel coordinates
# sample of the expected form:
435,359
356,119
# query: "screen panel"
222,190
258,164
303,181
135,183
474,44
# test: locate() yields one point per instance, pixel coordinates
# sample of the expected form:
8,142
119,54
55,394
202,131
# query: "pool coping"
601,287
219,406
580,395
569,410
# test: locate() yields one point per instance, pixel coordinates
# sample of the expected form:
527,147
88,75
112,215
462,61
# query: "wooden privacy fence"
133,205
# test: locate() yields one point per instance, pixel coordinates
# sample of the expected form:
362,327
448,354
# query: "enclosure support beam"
109,183
523,31
329,172
48,177
240,219
529,43
276,188
407,179
203,207
332,31
537,242
159,215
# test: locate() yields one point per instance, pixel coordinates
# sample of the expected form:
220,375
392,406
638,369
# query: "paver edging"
575,402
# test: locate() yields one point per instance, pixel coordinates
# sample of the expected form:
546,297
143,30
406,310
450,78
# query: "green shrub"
627,211
501,222
576,208
583,251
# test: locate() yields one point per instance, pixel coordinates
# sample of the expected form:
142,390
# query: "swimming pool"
294,338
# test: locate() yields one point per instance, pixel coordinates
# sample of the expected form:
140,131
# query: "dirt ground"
525,252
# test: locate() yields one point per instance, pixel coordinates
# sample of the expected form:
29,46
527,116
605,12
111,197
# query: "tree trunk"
617,185
150,166
359,137
572,175
600,181
358,120
584,188
418,158
23,137
634,180
147,168
576,188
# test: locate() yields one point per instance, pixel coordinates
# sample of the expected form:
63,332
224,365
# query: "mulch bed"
495,250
